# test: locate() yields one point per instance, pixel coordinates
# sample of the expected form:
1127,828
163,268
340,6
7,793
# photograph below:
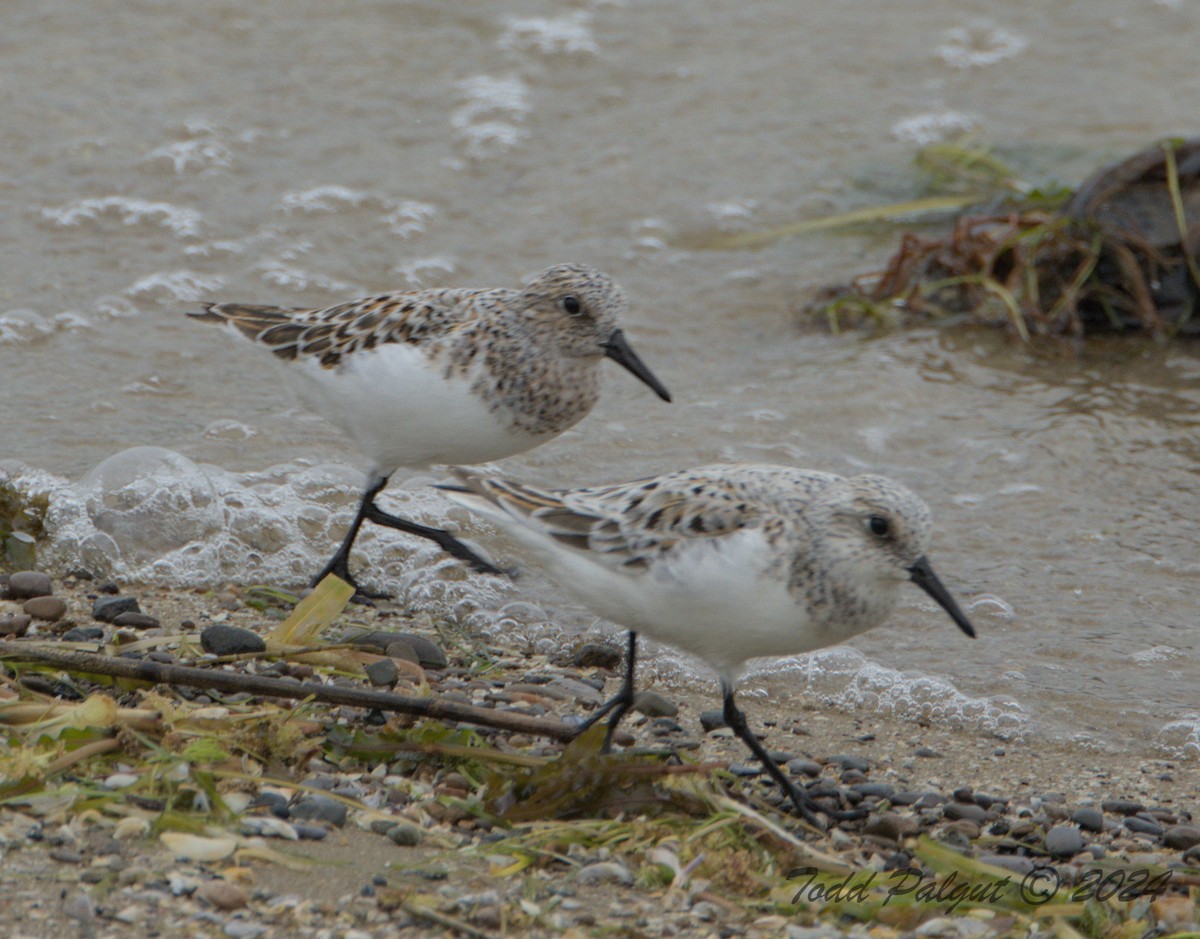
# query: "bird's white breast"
402,409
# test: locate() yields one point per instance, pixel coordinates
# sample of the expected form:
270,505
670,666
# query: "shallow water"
300,154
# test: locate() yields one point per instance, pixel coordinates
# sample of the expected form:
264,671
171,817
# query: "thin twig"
235,682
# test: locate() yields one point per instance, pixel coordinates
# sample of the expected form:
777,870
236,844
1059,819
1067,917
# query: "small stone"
382,672
15,624
875,790
846,761
1089,819
106,609
402,650
47,608
801,766
24,585
405,834
136,620
1192,855
604,872
428,653
968,810
310,832
1122,807
889,825
1143,826
66,856
320,808
653,704
1063,841
597,655
1181,837
83,634
230,640
222,894
927,753
711,720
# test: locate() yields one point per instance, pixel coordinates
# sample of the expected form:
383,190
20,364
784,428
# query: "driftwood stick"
234,682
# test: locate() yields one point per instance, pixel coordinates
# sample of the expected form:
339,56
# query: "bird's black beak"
618,350
924,577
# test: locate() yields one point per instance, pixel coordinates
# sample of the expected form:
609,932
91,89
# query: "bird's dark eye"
571,305
879,526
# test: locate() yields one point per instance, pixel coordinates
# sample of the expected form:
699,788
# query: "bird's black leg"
339,564
804,803
446,541
621,703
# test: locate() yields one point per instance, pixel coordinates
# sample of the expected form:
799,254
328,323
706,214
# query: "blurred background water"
303,153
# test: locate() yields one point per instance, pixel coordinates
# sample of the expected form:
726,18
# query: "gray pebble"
15,624
653,704
927,753
83,634
597,655
1088,819
1063,841
875,790
135,620
1181,837
428,653
24,585
604,872
47,608
382,672
847,761
107,609
1192,855
405,834
1122,807
801,766
968,810
1143,826
243,929
746,769
402,650
230,640
711,720
320,808
577,690
310,832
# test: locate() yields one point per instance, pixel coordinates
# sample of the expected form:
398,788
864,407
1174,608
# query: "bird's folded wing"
626,525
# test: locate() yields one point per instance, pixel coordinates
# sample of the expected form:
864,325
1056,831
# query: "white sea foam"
151,515
560,35
487,122
189,155
175,286
1180,738
182,221
979,44
922,129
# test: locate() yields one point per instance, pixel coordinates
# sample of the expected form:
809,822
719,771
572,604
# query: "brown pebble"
15,624
1181,837
24,585
222,894
47,608
889,825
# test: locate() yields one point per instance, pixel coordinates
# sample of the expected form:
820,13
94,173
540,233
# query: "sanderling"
728,562
426,377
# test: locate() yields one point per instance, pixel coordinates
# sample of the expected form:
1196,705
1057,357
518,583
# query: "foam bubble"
151,515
